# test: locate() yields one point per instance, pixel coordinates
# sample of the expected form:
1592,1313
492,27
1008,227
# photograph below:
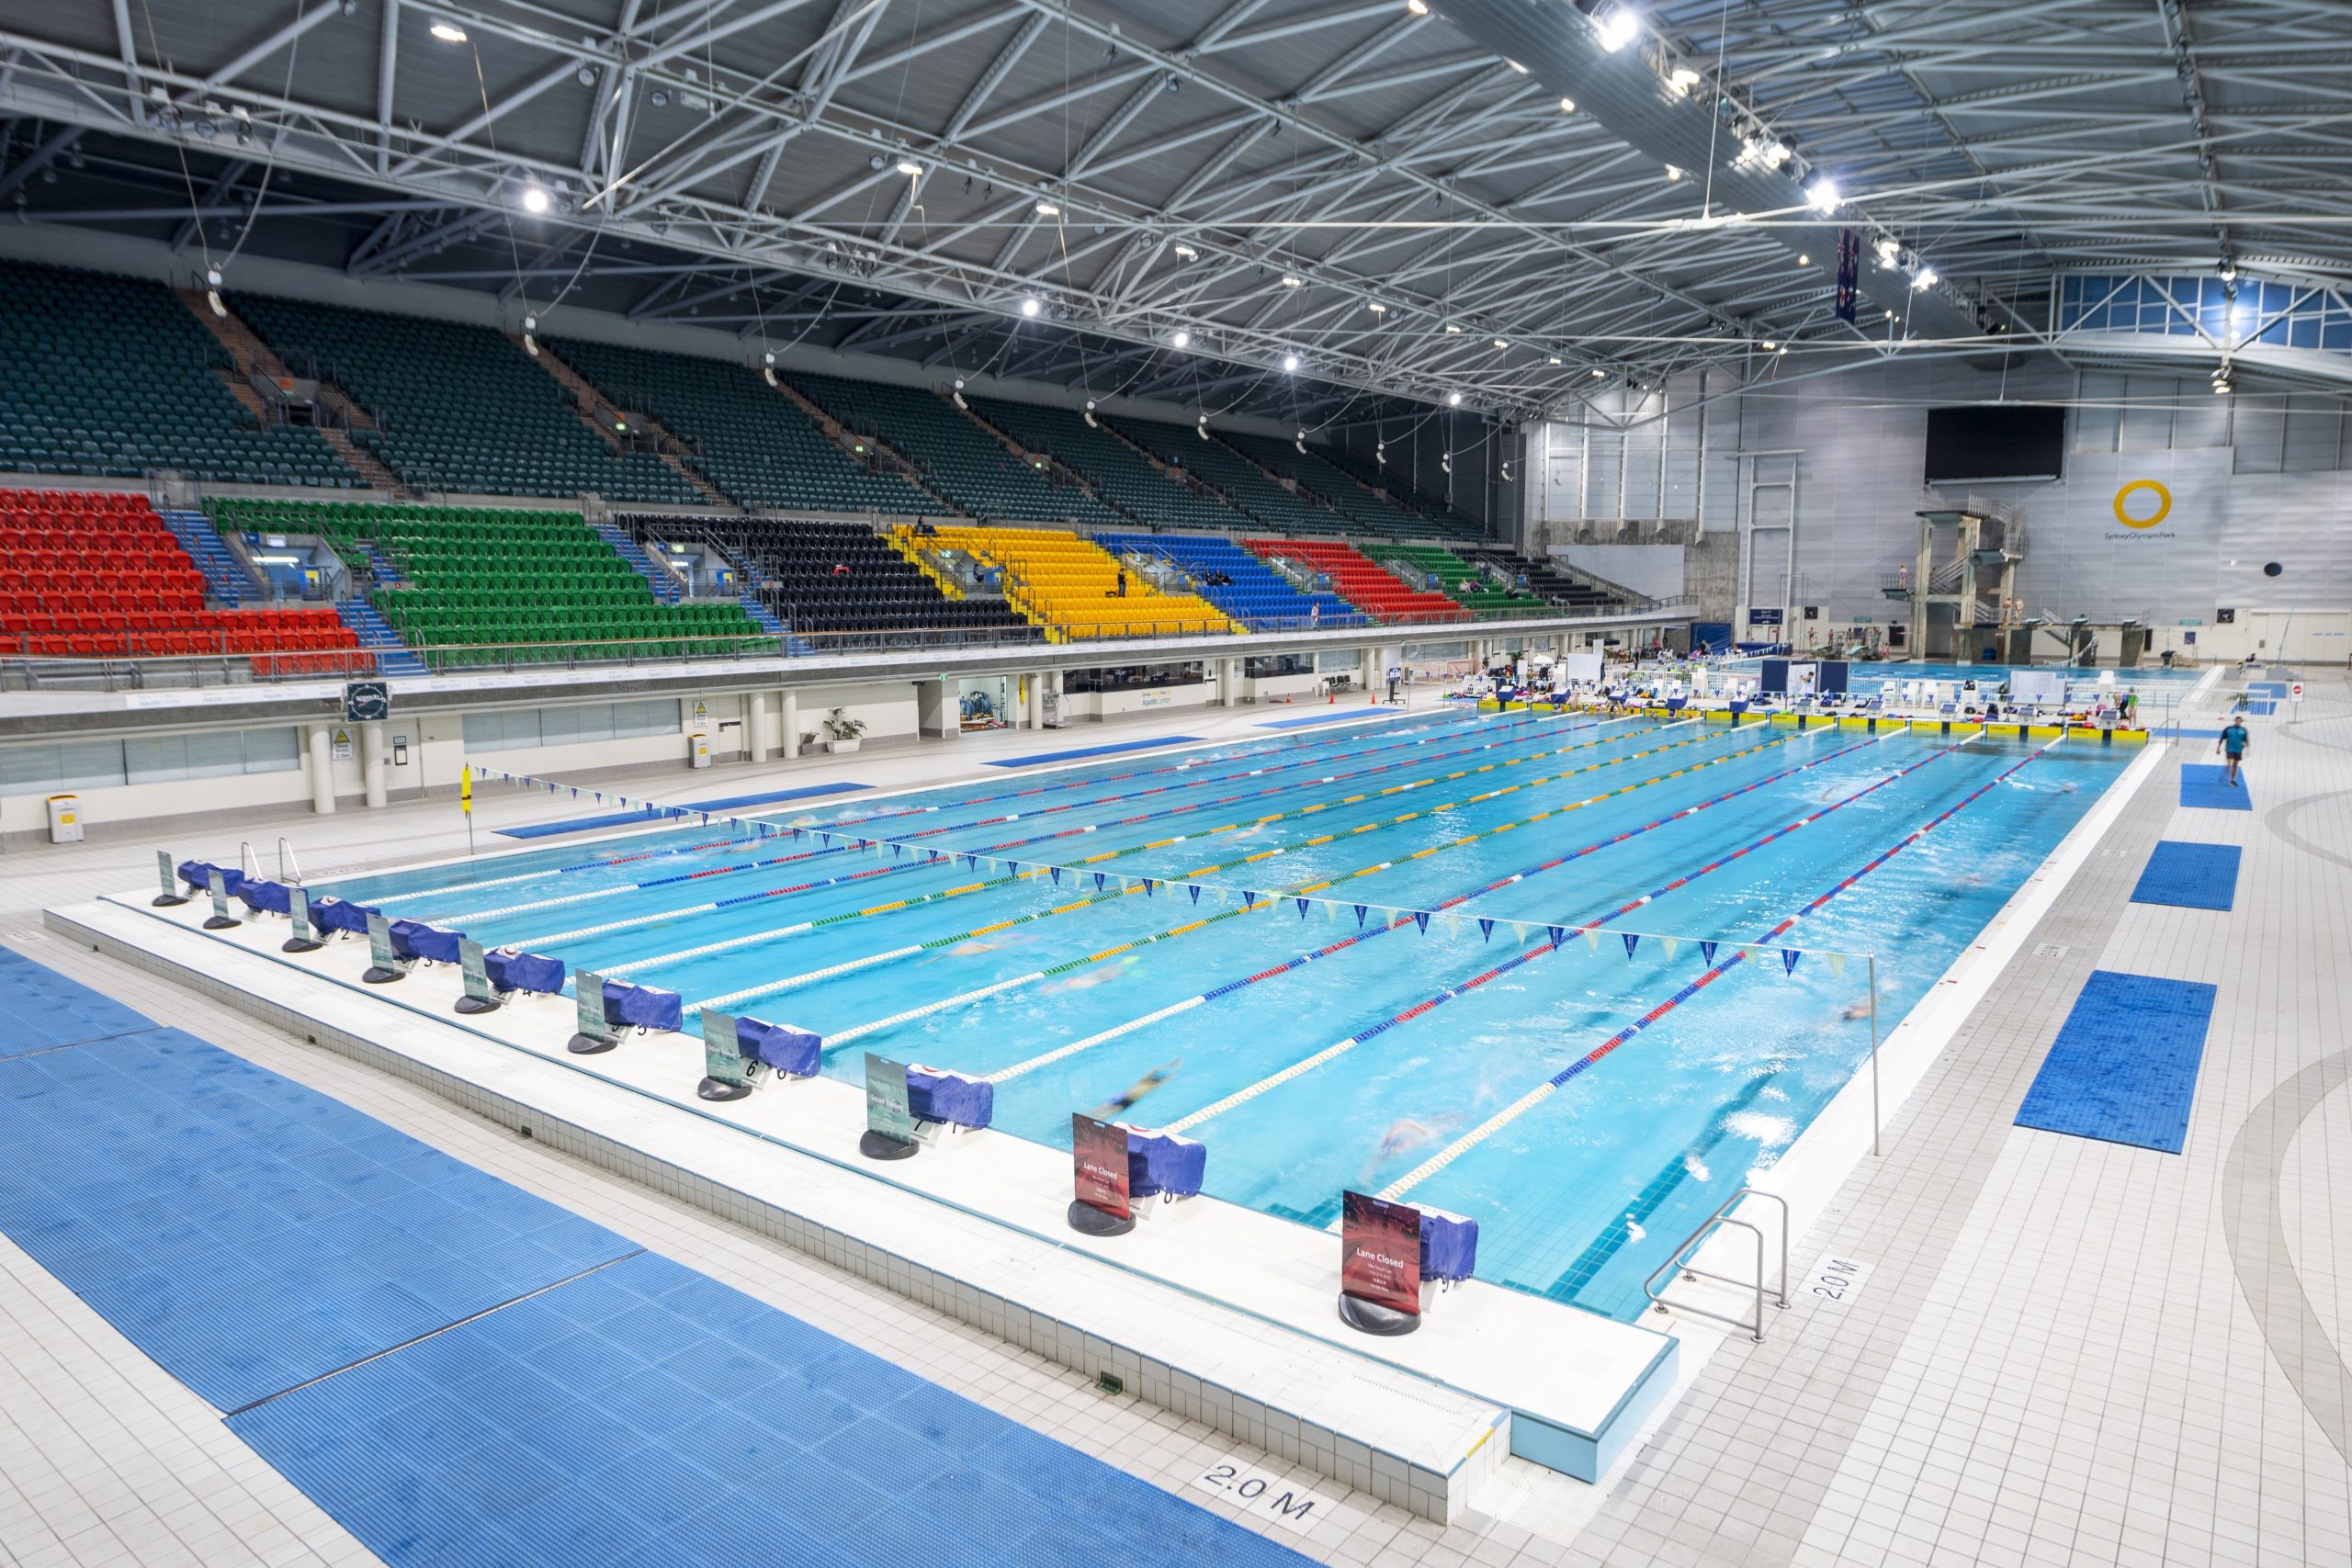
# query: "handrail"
289,868
1680,1260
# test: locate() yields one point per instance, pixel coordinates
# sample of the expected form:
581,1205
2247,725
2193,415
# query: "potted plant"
841,731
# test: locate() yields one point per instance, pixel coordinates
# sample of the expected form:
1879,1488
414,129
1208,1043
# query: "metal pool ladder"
1680,1262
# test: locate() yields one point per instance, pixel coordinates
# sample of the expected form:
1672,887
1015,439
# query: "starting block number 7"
1289,1505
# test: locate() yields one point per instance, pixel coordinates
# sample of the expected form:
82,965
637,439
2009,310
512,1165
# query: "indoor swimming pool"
1492,963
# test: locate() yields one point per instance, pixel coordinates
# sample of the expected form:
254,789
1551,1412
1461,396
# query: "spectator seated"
1466,584
1072,587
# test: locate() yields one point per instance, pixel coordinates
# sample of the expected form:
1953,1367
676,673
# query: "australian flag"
1849,274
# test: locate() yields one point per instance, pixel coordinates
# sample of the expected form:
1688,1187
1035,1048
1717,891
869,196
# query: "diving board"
2124,1068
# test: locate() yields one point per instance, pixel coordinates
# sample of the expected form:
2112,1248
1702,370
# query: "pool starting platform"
1873,722
1217,1312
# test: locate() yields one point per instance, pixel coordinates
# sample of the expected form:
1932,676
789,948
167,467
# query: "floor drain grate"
2050,949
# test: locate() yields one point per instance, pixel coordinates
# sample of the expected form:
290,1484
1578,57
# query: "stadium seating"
493,585
1362,581
1116,470
752,441
1071,586
1443,521
960,460
1466,584
461,408
88,575
1552,587
111,376
1370,513
1253,593
1236,478
880,591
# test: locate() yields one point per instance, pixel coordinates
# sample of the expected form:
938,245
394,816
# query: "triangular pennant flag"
1633,940
1836,964
1194,889
1099,880
1557,933
1302,909
1055,873
1591,940
1452,922
1360,912
1707,954
1147,887
1747,952
600,797
1789,956
1673,946
1519,932
1248,898
1422,917
1012,868
1486,929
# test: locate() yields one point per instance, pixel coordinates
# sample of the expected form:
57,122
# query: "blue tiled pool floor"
464,1374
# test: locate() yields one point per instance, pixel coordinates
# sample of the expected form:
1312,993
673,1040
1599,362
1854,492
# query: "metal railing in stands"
181,671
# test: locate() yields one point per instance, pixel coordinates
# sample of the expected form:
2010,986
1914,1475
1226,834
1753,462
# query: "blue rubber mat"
2192,876
1095,752
632,819
2124,1068
2204,784
245,1232
45,1010
646,1414
1312,718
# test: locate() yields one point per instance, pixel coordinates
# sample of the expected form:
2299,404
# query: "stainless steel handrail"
1679,1261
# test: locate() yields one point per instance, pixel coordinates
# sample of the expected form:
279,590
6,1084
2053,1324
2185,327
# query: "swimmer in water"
1855,1010
1080,981
1407,1134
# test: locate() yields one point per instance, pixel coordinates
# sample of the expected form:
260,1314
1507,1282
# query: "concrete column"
1035,682
322,770
371,764
1229,682
755,726
789,726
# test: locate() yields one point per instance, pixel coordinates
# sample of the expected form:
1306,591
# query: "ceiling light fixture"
449,32
909,168
1453,399
1502,343
1514,64
1804,260
1682,80
1769,345
1181,339
1822,195
1186,252
536,200
1419,7
1291,280
1446,461
1553,360
1451,327
1031,306
1672,174
1376,308
1618,27
1289,361
1888,249
1568,106
1047,209
1598,373
1924,278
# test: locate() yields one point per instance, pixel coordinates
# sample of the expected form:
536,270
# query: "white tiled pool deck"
2064,1351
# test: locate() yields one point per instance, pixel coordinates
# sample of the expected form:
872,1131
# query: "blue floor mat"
245,1232
2124,1068
1095,752
464,1375
645,1414
45,1010
2192,876
2203,785
637,818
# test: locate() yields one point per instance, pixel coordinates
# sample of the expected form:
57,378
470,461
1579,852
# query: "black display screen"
1995,443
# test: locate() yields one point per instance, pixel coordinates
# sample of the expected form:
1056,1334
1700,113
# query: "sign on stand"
2295,691
591,1033
1380,1264
297,910
170,897
479,997
384,965
219,920
889,1124
1099,1157
722,1058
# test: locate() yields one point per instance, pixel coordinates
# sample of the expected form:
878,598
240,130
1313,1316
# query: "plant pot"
840,746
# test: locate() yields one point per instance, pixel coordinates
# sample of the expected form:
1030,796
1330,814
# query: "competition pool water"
1515,986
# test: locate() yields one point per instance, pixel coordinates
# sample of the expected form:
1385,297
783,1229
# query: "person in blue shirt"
2232,741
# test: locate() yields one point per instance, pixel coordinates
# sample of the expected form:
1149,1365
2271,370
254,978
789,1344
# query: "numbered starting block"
951,1102
645,1009
740,1053
339,917
414,942
511,969
264,898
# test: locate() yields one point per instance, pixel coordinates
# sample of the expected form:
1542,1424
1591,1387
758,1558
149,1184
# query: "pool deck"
1220,1313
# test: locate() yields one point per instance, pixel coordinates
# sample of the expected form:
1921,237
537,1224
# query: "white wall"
2254,477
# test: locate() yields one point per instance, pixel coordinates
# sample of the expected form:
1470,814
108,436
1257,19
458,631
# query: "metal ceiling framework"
1473,203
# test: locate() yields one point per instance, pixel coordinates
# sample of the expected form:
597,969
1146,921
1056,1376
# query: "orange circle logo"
2123,512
